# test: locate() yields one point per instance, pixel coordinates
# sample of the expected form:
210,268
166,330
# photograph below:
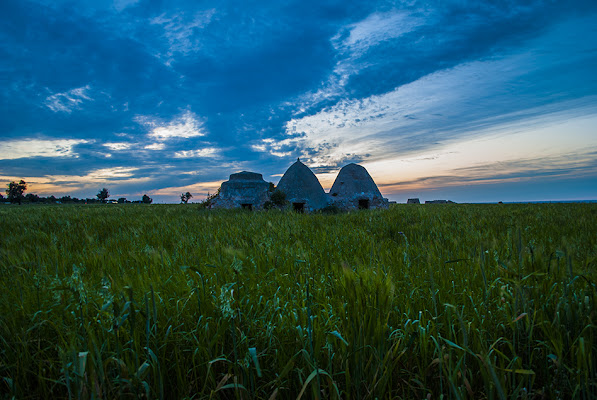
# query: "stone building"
355,189
243,190
302,188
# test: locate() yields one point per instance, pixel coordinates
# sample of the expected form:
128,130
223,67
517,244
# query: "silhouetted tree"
32,198
122,200
209,199
277,199
185,197
146,199
15,191
103,195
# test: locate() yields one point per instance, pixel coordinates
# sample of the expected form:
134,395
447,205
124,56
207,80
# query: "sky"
472,101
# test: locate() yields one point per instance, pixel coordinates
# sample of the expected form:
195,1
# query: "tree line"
15,194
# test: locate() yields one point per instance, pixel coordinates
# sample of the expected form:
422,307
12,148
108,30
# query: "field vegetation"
419,301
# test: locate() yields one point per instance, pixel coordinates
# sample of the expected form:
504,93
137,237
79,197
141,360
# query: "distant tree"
122,200
51,199
185,197
15,191
1,197
146,199
103,195
66,199
32,198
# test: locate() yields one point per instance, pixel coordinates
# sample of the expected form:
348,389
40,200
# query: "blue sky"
467,100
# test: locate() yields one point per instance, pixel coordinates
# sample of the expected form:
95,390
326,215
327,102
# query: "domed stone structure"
302,188
355,189
243,190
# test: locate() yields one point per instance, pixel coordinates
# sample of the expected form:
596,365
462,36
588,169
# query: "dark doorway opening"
299,207
247,206
364,204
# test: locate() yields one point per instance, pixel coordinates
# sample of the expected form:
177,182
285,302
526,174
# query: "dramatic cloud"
154,97
443,106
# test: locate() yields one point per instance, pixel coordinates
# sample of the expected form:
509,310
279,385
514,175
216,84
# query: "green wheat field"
419,301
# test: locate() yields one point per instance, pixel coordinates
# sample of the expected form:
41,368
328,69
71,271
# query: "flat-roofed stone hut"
302,188
355,189
243,190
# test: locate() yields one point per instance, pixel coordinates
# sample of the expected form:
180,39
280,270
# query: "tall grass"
459,301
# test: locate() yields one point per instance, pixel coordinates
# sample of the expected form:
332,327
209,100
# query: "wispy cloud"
378,27
524,152
120,5
118,146
68,101
180,30
26,148
275,148
523,170
206,152
105,174
155,146
185,126
351,43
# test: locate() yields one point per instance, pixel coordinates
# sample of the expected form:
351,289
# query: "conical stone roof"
302,186
354,184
